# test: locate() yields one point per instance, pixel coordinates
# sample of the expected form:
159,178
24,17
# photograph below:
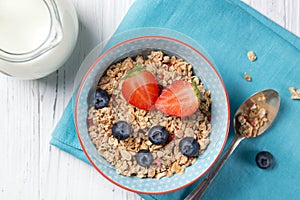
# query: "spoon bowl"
269,100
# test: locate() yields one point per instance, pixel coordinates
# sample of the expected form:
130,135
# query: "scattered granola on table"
138,132
295,93
251,56
247,77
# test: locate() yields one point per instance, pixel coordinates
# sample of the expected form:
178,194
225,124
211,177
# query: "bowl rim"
84,80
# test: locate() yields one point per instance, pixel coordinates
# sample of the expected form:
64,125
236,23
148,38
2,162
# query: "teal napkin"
227,30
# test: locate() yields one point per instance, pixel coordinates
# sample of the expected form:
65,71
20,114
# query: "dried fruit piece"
140,88
179,99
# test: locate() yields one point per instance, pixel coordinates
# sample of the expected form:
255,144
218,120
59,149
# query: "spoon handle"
200,189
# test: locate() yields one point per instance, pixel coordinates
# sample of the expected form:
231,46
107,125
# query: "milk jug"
36,36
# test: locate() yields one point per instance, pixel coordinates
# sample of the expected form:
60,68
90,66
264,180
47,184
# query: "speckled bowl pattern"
202,68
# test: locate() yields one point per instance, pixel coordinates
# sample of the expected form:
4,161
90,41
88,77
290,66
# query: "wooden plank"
19,146
273,9
285,13
292,16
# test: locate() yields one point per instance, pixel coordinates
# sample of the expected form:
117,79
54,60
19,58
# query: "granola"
251,56
251,120
167,159
247,77
295,93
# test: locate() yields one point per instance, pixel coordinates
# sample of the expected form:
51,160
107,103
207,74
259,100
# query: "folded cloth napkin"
227,30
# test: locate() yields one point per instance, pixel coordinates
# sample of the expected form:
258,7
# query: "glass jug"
36,36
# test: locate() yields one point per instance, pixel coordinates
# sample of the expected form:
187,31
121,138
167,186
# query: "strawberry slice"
179,99
140,88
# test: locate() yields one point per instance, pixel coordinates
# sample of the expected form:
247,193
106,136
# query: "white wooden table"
30,168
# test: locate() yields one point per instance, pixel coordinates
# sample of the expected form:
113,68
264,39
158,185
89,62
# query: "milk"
36,36
24,25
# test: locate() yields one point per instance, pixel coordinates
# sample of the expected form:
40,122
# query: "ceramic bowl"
220,112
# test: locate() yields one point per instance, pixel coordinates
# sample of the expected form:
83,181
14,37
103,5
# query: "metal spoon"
268,99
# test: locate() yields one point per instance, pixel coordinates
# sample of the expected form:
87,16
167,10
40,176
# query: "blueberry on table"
158,135
144,158
101,98
189,146
264,160
121,130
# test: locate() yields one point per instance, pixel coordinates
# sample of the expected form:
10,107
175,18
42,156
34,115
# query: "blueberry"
189,146
144,158
121,130
101,98
264,160
158,135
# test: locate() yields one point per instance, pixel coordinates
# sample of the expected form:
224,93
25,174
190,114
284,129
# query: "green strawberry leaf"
134,71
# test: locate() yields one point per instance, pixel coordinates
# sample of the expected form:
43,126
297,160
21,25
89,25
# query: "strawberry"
179,99
140,88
